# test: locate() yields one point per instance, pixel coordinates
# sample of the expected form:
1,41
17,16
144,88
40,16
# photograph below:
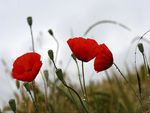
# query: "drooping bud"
12,105
59,74
27,86
141,48
51,54
17,84
29,20
51,32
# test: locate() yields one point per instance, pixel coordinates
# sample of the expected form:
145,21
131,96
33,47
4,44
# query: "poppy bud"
74,57
29,20
12,105
141,48
51,54
59,74
51,32
27,86
17,84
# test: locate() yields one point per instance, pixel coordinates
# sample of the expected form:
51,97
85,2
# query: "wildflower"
104,59
84,49
26,67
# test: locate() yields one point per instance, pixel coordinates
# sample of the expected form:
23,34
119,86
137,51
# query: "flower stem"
70,88
77,96
46,97
129,85
33,82
85,93
79,75
57,44
34,103
33,48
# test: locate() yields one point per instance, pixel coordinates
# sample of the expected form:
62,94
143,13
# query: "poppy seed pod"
59,74
27,86
12,105
141,48
51,32
29,20
51,54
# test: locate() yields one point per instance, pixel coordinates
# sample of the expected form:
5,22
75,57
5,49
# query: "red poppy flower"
26,67
84,49
104,59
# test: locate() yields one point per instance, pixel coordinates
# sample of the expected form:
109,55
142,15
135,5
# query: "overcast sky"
64,16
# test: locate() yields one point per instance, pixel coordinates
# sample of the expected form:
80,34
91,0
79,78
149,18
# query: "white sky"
63,15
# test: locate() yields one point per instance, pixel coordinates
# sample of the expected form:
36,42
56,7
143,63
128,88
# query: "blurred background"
67,18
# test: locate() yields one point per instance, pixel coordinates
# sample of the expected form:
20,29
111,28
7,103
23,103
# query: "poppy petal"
104,59
84,49
26,67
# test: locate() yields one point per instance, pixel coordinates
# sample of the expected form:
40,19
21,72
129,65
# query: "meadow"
117,93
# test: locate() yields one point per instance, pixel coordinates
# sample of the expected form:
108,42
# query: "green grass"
111,95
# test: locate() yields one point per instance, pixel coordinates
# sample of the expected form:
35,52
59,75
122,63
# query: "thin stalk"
33,48
77,96
33,82
129,85
57,50
72,97
104,22
34,103
35,98
145,64
46,97
79,75
85,93
137,75
70,88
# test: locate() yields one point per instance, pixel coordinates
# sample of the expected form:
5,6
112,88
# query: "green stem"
57,50
77,96
34,103
32,39
85,93
46,97
79,75
70,88
104,22
129,85
72,97
145,64
33,82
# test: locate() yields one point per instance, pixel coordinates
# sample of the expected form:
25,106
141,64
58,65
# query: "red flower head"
104,59
26,67
84,49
